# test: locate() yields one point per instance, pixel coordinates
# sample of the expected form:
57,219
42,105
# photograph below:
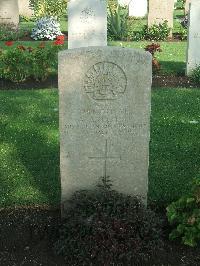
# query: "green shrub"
195,75
183,33
104,226
21,63
156,32
184,215
49,8
117,23
8,32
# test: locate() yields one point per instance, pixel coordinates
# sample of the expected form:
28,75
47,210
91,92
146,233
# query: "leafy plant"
117,23
183,33
21,63
152,49
47,28
185,21
180,4
49,8
184,215
156,32
9,32
195,75
104,226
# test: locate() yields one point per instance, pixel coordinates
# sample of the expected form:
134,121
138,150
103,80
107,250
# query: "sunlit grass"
29,157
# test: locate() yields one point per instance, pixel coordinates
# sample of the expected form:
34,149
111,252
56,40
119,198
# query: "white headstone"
87,23
187,3
193,49
124,2
105,102
159,11
24,8
138,8
9,12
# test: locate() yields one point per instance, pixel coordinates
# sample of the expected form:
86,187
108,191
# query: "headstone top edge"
104,48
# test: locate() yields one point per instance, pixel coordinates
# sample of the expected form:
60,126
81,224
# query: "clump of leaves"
184,215
156,32
10,32
153,48
103,226
195,75
117,23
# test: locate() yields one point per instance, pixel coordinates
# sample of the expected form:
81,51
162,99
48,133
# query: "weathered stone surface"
124,2
159,11
24,8
105,95
9,12
138,8
193,51
187,4
87,23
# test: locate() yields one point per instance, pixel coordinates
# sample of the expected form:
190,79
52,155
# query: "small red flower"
9,43
21,47
30,49
58,42
60,38
42,45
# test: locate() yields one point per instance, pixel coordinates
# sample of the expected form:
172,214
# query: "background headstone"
9,12
187,3
24,8
193,49
124,2
138,8
159,11
87,23
105,95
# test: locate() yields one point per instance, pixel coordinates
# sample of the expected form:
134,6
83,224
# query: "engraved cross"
105,158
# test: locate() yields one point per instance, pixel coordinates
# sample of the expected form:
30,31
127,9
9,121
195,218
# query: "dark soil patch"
52,82
172,81
27,237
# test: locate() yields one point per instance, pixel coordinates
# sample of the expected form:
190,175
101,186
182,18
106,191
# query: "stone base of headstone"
105,103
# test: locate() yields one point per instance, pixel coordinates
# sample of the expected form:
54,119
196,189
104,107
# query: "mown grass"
172,57
29,145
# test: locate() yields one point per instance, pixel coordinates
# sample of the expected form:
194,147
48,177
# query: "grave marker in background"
159,11
187,3
138,8
105,102
193,50
24,8
9,12
87,23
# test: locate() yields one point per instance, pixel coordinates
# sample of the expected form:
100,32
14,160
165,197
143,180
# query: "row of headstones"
158,10
105,105
139,8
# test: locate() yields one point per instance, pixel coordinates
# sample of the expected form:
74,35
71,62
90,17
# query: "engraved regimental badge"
105,81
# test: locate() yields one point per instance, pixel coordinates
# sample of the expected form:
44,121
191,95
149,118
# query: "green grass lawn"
29,158
172,57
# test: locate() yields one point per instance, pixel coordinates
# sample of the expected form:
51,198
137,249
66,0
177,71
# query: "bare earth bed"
27,237
52,82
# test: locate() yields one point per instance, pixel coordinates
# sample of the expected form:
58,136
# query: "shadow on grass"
173,68
30,170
